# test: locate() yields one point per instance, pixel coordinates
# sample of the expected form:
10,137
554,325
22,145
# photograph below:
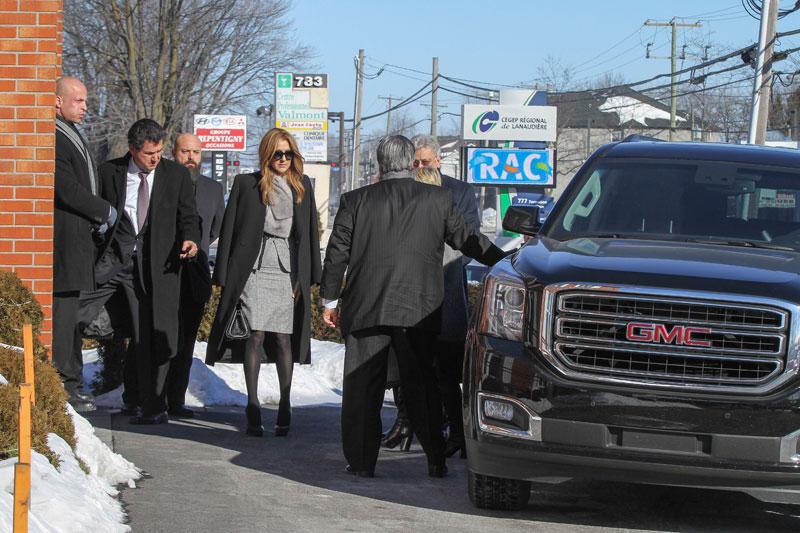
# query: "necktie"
143,201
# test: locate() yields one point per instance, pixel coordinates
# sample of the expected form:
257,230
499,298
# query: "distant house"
588,119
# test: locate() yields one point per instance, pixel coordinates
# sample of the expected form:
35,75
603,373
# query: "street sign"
510,167
219,166
222,132
301,108
508,123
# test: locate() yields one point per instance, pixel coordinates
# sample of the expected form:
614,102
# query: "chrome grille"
675,341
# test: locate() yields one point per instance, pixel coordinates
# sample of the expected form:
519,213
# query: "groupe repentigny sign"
222,132
508,123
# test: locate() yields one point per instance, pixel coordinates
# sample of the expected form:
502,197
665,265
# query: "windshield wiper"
743,243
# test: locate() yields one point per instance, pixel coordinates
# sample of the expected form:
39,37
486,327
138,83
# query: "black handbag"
238,327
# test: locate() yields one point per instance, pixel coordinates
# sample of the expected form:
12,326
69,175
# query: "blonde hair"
428,175
294,176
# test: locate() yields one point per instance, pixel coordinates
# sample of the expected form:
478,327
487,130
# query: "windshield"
706,201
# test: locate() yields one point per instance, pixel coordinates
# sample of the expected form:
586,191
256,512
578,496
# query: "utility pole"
340,117
434,95
673,108
762,85
388,111
356,159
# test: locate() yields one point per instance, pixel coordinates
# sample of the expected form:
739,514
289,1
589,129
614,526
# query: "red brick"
7,192
37,193
16,179
48,46
33,219
8,32
36,86
42,258
36,59
34,246
7,112
17,45
40,32
19,18
36,166
43,154
6,219
15,99
8,140
43,126
36,112
43,6
43,298
16,73
8,59
16,153
8,86
16,259
9,5
43,232
18,232
48,19
6,246
17,126
48,73
42,286
46,100
16,206
43,206
35,140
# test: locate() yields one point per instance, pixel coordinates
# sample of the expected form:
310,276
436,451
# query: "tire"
487,492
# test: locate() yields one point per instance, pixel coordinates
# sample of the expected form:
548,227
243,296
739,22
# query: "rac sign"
660,334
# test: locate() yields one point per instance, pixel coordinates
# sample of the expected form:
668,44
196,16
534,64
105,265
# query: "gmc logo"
658,333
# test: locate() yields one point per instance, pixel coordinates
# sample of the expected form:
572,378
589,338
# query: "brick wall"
30,61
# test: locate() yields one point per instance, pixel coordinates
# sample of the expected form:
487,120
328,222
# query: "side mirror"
524,220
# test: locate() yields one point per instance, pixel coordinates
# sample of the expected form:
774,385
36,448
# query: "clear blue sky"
504,42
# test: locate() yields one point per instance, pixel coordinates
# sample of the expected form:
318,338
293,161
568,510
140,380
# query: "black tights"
278,345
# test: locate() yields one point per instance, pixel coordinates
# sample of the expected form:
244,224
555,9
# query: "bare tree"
170,59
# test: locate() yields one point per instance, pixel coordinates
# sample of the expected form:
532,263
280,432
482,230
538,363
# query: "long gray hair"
395,154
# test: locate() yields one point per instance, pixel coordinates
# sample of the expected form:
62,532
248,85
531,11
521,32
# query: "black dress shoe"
180,411
400,434
82,406
130,409
360,473
147,420
437,470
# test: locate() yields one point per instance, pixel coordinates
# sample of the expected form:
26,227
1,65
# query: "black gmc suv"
649,332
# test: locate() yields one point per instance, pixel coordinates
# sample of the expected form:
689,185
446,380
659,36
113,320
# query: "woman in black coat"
245,237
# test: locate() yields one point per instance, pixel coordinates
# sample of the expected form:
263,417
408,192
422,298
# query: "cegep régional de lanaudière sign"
510,167
509,123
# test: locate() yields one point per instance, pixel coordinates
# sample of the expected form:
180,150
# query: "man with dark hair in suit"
390,236
196,276
78,211
142,257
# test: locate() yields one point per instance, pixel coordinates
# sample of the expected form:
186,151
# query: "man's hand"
330,317
188,250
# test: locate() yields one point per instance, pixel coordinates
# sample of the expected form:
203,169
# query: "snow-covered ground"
67,498
223,384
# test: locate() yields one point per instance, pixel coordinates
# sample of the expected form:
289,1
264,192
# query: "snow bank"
67,498
630,109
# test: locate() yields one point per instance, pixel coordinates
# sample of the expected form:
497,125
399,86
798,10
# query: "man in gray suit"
196,275
389,237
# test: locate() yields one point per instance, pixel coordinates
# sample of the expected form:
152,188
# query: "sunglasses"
278,155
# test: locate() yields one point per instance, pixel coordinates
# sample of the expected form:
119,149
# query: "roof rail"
637,137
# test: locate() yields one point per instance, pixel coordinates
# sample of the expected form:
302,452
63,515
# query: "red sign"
658,333
222,132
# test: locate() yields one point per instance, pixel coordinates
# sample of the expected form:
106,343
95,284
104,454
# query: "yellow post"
27,343
25,392
22,496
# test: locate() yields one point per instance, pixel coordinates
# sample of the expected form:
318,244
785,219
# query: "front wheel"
487,492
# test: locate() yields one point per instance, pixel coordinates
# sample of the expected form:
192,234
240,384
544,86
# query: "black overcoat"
75,211
171,219
237,251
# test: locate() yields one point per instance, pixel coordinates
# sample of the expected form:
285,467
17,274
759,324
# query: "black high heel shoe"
284,419
254,427
400,434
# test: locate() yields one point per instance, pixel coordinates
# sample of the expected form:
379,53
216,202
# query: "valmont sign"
508,123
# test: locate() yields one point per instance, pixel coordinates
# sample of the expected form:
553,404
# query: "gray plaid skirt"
267,298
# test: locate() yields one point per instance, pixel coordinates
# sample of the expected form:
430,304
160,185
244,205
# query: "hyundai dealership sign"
508,123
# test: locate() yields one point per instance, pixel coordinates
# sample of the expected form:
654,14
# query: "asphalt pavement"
206,475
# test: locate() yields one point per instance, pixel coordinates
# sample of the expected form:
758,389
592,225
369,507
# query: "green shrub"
17,307
111,353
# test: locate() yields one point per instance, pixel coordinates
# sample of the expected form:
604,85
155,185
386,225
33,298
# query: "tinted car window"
684,201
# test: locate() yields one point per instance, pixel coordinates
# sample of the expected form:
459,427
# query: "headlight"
503,308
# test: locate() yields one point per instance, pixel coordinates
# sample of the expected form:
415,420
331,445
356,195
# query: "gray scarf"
278,221
75,138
